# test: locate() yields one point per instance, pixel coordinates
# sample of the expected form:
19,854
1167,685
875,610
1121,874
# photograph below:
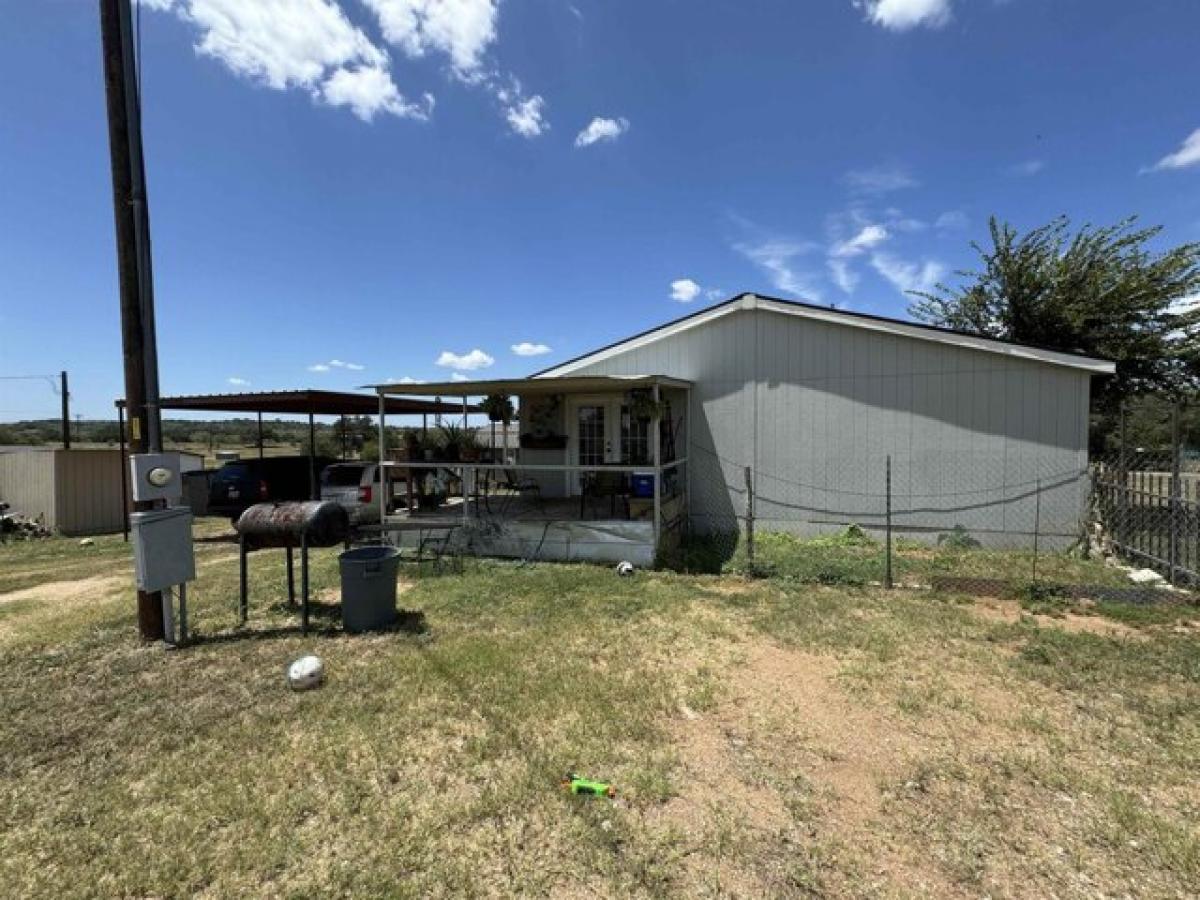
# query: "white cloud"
308,45
458,376
318,367
339,364
405,380
901,15
908,276
879,179
525,348
1187,155
237,382
952,220
1027,169
462,29
843,276
475,359
601,129
684,290
368,91
525,117
777,258
841,252
870,236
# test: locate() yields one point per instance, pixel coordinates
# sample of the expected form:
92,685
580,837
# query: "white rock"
625,568
305,673
1145,576
86,542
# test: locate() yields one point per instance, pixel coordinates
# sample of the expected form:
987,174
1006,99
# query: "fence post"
749,514
887,571
1121,528
1037,525
1173,548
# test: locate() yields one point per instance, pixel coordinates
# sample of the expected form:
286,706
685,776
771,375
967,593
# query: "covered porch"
598,471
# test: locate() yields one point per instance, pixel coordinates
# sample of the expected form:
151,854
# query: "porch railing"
458,491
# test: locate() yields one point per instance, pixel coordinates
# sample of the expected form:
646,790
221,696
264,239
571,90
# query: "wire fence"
1044,521
1146,504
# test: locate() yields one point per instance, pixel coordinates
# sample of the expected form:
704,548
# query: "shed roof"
305,402
918,330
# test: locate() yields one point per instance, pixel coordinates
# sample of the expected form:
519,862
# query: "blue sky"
369,187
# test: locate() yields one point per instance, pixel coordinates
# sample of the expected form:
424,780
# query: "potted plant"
471,447
643,406
452,441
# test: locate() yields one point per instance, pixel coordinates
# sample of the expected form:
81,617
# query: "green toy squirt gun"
573,784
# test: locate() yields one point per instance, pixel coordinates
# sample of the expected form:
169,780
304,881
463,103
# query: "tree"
1102,292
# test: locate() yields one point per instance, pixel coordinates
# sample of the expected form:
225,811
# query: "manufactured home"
825,417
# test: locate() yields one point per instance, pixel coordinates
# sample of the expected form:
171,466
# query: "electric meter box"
162,547
155,476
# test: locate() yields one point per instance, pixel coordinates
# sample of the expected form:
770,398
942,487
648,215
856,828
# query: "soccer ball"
625,568
306,672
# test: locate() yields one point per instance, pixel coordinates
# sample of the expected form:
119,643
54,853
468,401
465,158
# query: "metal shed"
76,492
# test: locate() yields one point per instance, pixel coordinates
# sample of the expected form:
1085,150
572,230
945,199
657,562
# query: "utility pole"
139,347
66,410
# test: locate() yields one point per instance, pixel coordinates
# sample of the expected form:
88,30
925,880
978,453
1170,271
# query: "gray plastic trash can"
369,587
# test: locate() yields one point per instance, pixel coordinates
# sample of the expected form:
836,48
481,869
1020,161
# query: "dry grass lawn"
768,738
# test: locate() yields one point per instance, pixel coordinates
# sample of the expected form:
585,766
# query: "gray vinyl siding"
815,409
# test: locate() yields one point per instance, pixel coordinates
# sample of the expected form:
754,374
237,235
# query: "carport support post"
260,438
384,489
656,446
312,459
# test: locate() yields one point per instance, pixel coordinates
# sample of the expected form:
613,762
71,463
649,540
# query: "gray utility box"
155,476
162,547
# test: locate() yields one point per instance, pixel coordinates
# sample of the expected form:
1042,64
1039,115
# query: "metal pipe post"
1037,525
312,459
749,514
260,435
887,574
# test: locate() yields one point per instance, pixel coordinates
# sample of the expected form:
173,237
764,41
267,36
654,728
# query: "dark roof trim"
848,317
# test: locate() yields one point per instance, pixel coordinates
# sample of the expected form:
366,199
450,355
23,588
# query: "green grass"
428,764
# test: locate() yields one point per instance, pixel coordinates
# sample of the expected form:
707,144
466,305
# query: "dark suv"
240,484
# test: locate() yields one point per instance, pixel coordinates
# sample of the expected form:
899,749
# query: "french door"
602,432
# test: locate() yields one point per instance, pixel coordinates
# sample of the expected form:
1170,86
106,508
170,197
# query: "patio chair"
516,486
598,485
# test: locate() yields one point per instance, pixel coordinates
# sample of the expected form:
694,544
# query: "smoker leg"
243,596
291,576
304,584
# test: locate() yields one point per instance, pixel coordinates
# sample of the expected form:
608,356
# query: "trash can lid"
368,554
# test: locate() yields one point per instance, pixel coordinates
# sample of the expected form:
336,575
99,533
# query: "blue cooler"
642,484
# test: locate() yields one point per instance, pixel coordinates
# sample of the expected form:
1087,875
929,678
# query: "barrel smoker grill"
289,525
